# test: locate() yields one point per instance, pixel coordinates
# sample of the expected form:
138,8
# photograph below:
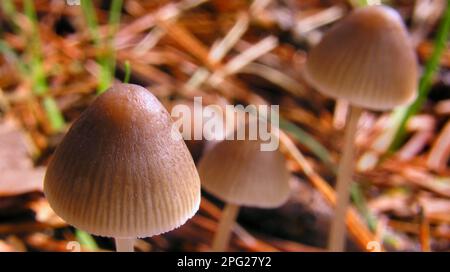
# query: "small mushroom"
368,60
240,174
120,172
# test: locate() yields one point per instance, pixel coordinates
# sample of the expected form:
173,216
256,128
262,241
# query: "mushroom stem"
124,244
226,223
340,113
344,179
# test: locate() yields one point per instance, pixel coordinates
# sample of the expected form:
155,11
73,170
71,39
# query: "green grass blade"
8,8
12,56
34,51
104,79
114,16
91,20
308,141
86,240
10,11
38,76
358,3
114,20
106,74
361,205
53,113
107,62
30,11
425,83
34,69
127,72
363,3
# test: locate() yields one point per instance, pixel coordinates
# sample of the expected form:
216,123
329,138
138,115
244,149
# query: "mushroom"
121,172
368,60
240,174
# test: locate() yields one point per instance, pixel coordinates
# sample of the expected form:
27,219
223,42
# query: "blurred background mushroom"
368,60
241,174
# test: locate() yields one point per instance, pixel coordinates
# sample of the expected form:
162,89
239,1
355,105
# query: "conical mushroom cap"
119,172
366,59
238,172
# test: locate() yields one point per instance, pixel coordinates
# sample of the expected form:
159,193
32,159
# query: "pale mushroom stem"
222,237
340,113
344,180
124,244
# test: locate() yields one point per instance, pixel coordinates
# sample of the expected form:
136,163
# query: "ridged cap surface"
238,172
119,173
366,59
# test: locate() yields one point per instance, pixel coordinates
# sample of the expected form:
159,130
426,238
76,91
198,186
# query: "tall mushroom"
368,60
240,174
119,172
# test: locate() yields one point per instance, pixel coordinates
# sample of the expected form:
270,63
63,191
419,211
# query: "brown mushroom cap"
119,173
238,172
367,59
